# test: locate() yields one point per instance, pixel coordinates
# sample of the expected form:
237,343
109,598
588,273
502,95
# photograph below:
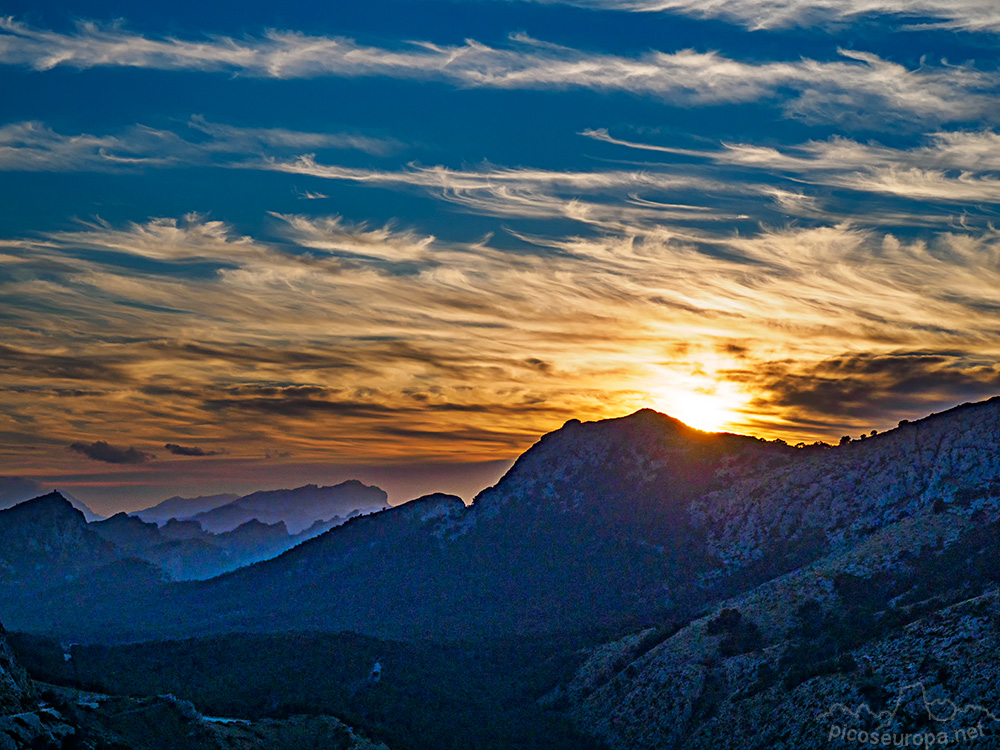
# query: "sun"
708,406
703,411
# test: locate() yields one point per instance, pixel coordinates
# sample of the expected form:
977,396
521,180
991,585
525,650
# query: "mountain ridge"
612,523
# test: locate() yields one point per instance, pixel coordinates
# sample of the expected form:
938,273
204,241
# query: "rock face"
24,723
16,692
166,723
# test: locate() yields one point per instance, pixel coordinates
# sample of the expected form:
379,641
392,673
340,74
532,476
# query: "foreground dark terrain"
631,583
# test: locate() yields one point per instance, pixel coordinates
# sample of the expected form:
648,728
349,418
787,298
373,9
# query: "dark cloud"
184,450
111,454
271,391
298,402
538,364
869,387
56,392
25,363
735,350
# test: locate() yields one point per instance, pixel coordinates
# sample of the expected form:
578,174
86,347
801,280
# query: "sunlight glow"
702,402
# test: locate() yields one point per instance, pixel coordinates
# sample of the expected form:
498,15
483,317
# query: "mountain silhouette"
609,524
298,508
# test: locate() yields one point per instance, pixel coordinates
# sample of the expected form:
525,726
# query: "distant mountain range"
50,531
181,508
298,509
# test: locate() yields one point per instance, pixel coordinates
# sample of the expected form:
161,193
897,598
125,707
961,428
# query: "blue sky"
312,243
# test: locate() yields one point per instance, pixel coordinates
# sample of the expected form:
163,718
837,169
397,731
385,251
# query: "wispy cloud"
607,198
968,15
337,337
233,139
957,169
34,146
953,167
838,90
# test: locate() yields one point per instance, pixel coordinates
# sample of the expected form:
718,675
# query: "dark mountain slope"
612,522
589,529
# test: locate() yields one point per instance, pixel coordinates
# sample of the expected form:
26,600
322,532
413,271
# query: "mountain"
299,508
16,490
615,525
733,592
51,554
46,541
184,551
590,528
183,507
895,636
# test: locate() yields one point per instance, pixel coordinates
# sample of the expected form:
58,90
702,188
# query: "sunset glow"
282,245
711,406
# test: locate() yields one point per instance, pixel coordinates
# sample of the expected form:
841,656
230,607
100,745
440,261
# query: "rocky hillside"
894,630
16,690
33,718
753,594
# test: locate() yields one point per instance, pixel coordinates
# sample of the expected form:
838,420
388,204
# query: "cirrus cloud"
841,90
967,15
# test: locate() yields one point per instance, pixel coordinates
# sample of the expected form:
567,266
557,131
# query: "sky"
245,246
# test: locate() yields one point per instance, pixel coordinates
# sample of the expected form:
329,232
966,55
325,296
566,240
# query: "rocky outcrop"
167,723
16,691
71,718
25,722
